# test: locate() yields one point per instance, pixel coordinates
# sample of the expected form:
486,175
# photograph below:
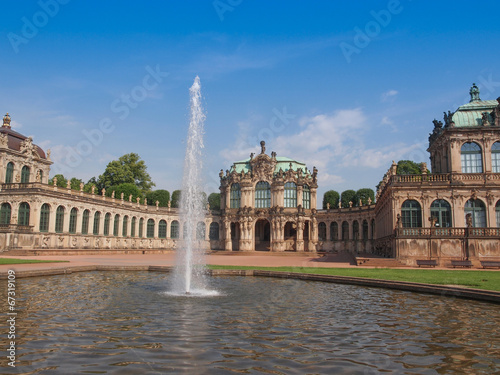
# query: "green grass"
488,280
23,261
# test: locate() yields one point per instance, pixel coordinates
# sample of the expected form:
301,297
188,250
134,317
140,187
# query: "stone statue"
81,186
103,192
48,154
38,178
262,147
369,201
423,168
122,195
350,204
468,220
327,205
221,173
251,155
137,199
92,189
360,202
474,93
4,140
398,221
157,204
54,181
485,119
68,184
130,198
170,202
113,194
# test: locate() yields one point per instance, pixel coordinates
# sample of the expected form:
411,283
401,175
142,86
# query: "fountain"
189,278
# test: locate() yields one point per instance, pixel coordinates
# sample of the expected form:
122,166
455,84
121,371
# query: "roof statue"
474,93
263,147
6,120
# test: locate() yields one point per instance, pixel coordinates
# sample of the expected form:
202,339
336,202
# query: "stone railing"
447,232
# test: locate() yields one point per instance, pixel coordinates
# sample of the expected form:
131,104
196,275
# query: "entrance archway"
262,235
290,236
235,236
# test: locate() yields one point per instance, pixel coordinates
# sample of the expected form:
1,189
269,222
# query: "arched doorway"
290,236
235,236
262,235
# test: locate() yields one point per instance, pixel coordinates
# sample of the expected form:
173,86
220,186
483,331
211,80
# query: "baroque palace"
268,203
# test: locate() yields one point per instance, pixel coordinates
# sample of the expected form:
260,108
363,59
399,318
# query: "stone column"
228,246
52,218
299,246
300,191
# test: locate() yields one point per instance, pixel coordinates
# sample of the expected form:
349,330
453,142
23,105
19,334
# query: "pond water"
127,323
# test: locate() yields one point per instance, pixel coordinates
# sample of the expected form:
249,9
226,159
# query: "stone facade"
268,203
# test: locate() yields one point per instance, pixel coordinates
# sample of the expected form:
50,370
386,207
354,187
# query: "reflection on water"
125,323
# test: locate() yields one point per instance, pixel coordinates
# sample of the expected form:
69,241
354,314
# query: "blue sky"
343,86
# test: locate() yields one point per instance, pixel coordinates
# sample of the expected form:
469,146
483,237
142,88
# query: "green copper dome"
475,112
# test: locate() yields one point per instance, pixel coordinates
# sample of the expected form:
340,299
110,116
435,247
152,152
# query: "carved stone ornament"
263,167
3,140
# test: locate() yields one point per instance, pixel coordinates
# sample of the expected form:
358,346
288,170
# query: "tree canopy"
408,167
176,198
162,196
127,189
332,197
348,196
214,201
364,194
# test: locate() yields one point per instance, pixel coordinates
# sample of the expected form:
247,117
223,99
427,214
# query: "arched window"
235,196
150,230
441,210
162,229
141,227
59,219
23,217
355,230
213,234
306,197
174,229
132,227
262,195
9,173
116,225
322,231
497,209
125,224
495,157
107,221
72,220
334,231
476,208
472,160
200,230
365,230
345,231
290,194
411,214
97,222
85,222
44,217
25,175
5,213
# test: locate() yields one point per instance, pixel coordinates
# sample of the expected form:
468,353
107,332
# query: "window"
334,231
322,231
345,231
125,224
132,227
476,208
162,229
441,210
44,217
9,174
72,220
213,233
107,220
472,161
290,194
200,230
495,157
23,217
411,214
116,224
97,221
355,230
85,222
25,175
174,229
141,227
306,197
235,196
150,230
497,209
262,195
365,230
5,212
59,219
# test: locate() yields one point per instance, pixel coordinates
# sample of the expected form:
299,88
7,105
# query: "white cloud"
389,95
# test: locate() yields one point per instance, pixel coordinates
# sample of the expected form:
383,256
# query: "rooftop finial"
474,93
263,147
6,120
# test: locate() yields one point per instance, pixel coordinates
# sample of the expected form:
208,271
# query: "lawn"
23,261
488,280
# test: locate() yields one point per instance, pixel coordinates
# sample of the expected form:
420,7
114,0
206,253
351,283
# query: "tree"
214,201
61,180
127,169
364,194
348,196
127,189
162,196
332,197
75,183
408,167
176,198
